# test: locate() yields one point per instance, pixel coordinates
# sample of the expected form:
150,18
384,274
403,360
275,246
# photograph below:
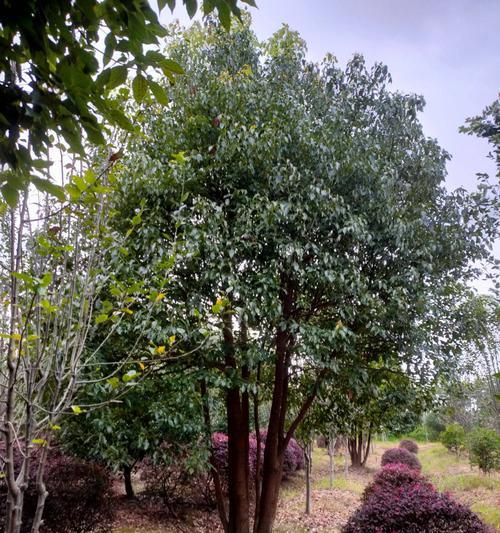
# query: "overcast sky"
446,50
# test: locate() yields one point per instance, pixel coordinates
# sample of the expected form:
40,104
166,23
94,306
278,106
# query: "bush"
393,475
409,445
79,496
484,449
453,438
419,434
414,507
402,456
294,458
176,480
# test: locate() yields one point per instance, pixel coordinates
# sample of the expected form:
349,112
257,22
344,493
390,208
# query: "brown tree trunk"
367,446
238,433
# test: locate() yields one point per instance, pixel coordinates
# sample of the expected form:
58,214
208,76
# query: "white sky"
446,50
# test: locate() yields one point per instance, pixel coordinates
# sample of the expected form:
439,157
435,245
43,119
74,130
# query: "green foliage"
154,413
433,425
53,85
484,449
419,434
453,438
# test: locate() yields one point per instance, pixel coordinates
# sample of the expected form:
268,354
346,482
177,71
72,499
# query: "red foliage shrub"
409,445
402,456
414,507
393,476
79,496
293,458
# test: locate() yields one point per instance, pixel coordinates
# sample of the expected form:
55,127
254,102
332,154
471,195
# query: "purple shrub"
414,507
293,458
393,476
409,445
79,496
402,456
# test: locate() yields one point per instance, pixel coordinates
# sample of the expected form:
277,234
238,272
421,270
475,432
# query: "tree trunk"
346,458
238,435
219,496
331,453
127,477
237,465
308,457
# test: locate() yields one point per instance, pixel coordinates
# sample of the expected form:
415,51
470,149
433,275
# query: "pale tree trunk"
41,489
346,458
308,457
331,453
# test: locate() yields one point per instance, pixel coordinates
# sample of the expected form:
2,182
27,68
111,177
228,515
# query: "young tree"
311,210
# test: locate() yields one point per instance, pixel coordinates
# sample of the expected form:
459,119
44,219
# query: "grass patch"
489,513
466,482
340,483
436,458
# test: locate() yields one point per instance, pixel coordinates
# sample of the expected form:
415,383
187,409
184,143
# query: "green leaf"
114,382
49,187
158,92
10,194
139,87
101,318
170,66
119,118
129,376
191,7
117,77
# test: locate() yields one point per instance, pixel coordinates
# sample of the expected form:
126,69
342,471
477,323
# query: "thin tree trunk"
367,446
346,457
331,454
219,495
42,490
258,440
127,477
308,457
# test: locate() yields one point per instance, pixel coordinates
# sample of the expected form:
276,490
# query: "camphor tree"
60,62
311,209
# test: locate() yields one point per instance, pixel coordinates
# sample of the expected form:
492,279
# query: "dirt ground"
330,507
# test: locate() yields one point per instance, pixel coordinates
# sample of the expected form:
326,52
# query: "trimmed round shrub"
409,445
402,456
293,458
393,476
79,496
414,507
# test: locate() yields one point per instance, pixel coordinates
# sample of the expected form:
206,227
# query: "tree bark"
308,457
238,433
331,454
127,477
219,496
